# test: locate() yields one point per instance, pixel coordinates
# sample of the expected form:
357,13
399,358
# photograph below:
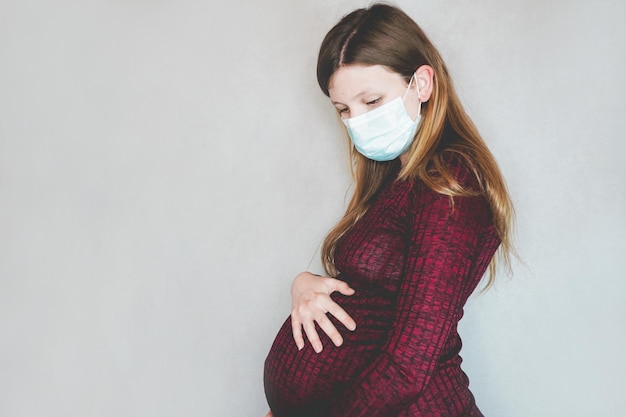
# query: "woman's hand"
269,414
310,301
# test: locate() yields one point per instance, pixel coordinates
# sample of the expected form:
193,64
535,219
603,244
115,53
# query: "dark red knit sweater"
413,260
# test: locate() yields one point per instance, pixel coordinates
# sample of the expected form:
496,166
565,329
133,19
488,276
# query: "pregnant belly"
301,383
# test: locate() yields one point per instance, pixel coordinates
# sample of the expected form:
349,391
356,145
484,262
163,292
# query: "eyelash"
369,103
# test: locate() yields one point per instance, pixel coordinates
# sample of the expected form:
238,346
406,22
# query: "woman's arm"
440,272
310,303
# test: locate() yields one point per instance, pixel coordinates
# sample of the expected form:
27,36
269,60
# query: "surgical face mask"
386,132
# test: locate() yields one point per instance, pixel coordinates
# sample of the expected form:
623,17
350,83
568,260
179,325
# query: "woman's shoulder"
452,185
463,169
451,173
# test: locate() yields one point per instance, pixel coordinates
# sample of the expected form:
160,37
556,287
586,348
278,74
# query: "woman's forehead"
353,80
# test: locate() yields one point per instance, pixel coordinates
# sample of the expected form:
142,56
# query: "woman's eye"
375,101
342,110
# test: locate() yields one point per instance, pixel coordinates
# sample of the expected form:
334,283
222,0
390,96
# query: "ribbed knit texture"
413,260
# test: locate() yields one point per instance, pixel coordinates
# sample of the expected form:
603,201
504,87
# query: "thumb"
344,288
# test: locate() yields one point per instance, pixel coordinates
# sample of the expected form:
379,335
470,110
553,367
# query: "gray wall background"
167,167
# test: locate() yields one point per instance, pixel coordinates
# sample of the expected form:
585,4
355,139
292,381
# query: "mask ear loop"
408,87
417,88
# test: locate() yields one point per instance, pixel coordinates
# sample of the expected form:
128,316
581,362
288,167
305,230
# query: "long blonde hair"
385,35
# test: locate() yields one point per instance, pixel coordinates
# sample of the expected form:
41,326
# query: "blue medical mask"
386,132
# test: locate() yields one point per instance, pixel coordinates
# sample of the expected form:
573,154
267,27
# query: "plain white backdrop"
167,167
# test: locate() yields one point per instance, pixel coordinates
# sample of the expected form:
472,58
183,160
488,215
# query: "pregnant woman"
378,335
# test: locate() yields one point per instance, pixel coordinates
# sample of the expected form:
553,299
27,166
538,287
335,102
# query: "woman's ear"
424,76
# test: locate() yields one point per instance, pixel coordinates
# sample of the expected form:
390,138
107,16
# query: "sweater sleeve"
438,278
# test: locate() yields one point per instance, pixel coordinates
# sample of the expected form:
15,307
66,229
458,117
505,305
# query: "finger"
329,328
341,315
296,330
344,288
314,339
269,414
334,284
